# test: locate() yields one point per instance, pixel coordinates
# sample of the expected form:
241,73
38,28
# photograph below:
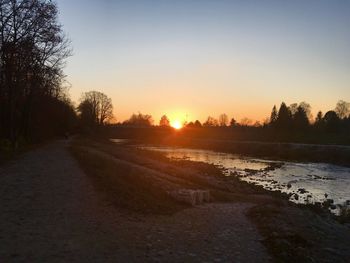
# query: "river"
305,182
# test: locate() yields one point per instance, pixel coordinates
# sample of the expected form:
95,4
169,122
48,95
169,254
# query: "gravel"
50,212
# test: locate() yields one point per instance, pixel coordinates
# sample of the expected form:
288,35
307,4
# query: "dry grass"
125,187
129,188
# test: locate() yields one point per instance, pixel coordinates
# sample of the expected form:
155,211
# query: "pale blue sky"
206,57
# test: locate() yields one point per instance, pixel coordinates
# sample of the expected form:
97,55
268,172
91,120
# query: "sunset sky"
197,58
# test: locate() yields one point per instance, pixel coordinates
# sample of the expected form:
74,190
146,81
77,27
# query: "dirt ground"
51,212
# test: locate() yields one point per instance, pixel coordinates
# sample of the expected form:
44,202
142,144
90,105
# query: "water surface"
306,182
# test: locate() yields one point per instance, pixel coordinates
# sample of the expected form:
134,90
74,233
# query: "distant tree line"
33,49
297,117
287,119
139,120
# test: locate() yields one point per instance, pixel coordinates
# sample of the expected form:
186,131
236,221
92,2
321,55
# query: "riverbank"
289,232
110,204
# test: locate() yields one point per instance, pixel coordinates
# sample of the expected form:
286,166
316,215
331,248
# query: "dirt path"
50,212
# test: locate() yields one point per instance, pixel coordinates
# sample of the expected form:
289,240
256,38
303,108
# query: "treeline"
292,118
33,49
293,123
295,117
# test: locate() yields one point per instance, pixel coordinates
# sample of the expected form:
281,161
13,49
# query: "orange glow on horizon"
176,124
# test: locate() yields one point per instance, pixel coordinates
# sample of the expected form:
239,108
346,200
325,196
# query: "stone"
191,197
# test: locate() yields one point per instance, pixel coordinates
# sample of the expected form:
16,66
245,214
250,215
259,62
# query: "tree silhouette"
319,119
211,122
33,50
139,120
197,124
246,122
331,121
342,109
284,117
274,115
189,125
293,108
233,122
164,121
301,121
87,114
95,108
307,108
223,120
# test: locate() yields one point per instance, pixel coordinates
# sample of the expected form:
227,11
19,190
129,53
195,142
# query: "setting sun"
176,124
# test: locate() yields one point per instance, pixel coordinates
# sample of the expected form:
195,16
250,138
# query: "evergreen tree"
273,117
197,123
301,121
284,118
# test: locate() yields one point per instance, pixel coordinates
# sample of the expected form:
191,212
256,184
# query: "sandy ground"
50,212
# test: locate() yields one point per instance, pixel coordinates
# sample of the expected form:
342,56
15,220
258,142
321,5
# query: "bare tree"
211,122
33,49
342,109
95,108
223,120
257,124
246,122
106,108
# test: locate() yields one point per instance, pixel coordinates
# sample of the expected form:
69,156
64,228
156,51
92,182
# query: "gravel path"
50,212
